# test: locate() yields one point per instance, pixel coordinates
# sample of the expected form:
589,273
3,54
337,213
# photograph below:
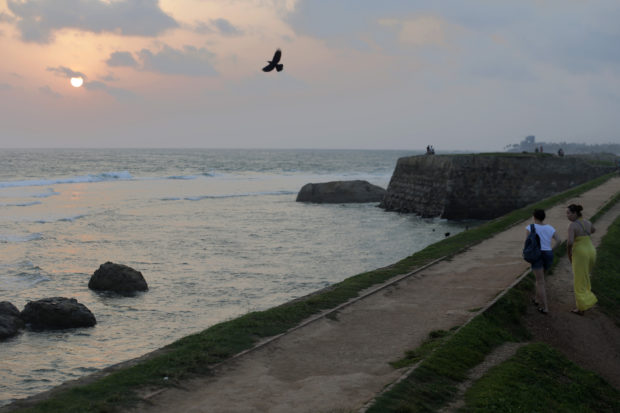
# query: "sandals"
576,311
543,311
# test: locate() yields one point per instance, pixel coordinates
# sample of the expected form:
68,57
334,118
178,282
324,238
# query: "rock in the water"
57,313
340,192
10,323
118,278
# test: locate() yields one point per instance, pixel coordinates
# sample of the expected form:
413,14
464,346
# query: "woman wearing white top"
546,233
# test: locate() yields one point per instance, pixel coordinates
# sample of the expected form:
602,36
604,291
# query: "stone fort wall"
481,186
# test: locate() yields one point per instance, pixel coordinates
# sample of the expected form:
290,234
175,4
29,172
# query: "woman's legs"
541,293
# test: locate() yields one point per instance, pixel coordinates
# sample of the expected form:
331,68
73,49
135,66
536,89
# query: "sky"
358,74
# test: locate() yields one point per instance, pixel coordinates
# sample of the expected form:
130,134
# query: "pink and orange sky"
359,74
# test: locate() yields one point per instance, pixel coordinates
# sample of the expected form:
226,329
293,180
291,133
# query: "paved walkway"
337,364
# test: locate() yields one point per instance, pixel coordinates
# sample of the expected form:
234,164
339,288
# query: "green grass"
435,339
540,379
197,353
606,275
612,201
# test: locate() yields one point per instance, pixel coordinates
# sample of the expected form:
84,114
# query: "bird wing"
276,57
269,67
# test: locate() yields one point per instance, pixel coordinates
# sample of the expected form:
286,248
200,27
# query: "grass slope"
540,379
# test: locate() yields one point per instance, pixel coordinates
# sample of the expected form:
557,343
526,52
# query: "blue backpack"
531,249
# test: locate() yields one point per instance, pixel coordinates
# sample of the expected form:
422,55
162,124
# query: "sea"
216,233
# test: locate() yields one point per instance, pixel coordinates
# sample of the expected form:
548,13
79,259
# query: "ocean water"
216,234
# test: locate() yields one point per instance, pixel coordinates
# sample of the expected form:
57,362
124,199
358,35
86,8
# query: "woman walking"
546,233
582,255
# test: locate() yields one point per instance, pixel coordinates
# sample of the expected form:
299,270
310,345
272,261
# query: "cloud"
66,72
47,91
37,20
421,31
115,92
5,86
110,77
225,27
221,26
121,59
6,18
190,61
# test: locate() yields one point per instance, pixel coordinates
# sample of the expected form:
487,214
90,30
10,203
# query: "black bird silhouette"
274,63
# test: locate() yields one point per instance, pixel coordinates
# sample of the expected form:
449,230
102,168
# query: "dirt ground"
340,362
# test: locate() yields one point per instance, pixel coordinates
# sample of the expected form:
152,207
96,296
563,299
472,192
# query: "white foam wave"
102,177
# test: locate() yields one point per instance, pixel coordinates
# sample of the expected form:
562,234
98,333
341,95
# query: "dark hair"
575,208
539,214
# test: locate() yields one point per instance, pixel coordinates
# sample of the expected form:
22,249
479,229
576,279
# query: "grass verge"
195,354
605,279
540,379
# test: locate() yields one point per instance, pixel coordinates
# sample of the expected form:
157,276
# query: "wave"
8,238
21,204
21,275
63,219
102,177
202,197
50,192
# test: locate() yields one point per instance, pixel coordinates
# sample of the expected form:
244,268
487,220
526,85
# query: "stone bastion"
482,186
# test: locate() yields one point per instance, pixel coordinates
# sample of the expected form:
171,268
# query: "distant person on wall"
582,255
546,234
536,149
561,153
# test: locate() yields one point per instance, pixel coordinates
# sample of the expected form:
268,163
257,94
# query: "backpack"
531,249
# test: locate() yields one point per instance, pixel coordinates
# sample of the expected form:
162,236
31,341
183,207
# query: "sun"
77,81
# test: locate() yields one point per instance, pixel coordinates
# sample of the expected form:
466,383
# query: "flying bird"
274,63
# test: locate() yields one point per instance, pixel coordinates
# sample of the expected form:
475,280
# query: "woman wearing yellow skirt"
582,255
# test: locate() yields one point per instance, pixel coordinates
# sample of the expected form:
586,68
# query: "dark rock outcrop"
340,192
10,322
57,313
481,186
118,278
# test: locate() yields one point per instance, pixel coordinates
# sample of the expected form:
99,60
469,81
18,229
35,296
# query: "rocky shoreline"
59,313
